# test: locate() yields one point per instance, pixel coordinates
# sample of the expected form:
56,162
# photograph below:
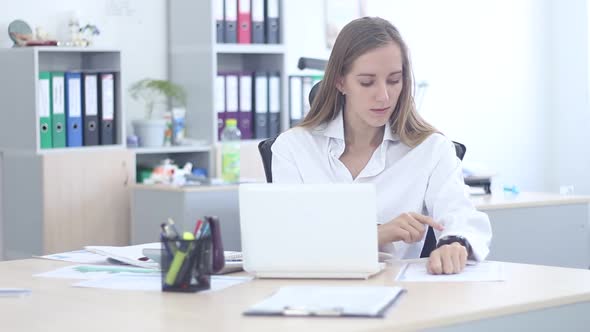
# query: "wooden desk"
534,297
538,228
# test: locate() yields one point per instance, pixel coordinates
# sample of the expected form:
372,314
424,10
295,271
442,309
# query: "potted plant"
154,93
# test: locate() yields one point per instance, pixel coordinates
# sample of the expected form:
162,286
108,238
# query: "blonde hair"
355,39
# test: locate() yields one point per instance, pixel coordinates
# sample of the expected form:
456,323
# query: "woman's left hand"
447,259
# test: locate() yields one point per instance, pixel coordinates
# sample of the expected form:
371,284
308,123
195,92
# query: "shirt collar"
335,129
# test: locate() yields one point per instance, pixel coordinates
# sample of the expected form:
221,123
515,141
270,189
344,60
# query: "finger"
434,263
456,257
447,261
427,221
418,226
463,258
414,233
404,235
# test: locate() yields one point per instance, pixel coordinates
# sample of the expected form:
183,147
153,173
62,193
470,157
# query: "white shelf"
250,48
93,148
172,149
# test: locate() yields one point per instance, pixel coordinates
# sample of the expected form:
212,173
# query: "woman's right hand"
408,227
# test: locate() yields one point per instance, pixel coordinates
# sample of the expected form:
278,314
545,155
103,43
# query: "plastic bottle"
230,152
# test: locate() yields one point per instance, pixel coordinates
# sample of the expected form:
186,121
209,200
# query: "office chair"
264,148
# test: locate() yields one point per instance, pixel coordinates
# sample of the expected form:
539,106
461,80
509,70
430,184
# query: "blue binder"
73,106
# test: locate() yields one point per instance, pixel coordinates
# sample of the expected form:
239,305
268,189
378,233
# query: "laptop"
309,230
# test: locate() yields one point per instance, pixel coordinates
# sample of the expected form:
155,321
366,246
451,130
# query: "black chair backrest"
265,146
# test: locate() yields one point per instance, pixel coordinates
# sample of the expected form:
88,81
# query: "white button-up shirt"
426,179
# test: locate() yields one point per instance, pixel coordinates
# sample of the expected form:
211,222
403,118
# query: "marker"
179,258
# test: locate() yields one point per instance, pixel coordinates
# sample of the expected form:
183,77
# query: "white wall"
136,27
569,129
502,74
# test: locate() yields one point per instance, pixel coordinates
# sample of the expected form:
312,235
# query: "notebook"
284,225
370,301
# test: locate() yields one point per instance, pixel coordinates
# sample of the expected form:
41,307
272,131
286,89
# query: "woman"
363,128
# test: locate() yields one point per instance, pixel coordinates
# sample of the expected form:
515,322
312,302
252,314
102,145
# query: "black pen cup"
187,265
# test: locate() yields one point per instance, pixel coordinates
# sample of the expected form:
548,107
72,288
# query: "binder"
231,17
90,109
219,20
245,107
261,105
272,22
44,109
58,116
231,96
220,103
257,26
307,85
296,97
244,22
274,104
332,301
73,108
106,108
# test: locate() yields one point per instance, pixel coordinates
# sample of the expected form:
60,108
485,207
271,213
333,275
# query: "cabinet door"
86,199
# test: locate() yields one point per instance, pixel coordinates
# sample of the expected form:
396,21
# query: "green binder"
58,113
44,109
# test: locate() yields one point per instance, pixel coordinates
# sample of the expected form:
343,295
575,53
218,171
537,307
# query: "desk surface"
55,305
524,200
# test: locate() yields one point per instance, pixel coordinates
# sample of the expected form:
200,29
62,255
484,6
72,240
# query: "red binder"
244,22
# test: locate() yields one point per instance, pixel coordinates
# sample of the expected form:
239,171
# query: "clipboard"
328,301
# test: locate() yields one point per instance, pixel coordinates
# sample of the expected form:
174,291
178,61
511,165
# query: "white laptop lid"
306,228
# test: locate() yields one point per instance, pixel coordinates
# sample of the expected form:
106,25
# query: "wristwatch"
454,238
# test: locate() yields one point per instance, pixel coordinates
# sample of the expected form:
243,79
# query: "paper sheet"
483,271
152,282
94,271
131,254
78,256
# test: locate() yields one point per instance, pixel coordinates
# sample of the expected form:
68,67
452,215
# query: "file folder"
261,105
219,20
58,116
73,108
106,108
244,22
220,103
90,109
257,10
245,111
231,95
44,109
274,104
272,22
296,97
231,18
331,301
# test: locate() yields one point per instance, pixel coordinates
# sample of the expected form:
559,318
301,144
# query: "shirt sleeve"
447,203
283,165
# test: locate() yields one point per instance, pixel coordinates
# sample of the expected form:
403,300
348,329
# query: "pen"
198,226
179,258
204,230
173,227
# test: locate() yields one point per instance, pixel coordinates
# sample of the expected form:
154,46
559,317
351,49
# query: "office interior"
508,79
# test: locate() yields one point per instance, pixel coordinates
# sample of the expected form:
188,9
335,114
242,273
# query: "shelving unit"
195,58
59,199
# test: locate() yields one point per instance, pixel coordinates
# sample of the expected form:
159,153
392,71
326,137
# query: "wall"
569,132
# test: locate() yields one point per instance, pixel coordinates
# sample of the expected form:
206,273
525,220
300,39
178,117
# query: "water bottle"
230,151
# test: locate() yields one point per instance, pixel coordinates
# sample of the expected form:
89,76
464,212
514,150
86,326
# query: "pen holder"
187,265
